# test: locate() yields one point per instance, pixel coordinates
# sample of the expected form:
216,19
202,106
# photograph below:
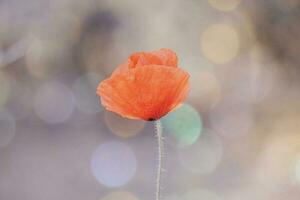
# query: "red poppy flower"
147,86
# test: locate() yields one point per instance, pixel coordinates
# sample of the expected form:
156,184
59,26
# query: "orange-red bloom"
147,86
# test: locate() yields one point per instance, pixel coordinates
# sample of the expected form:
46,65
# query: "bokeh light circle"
54,102
198,194
220,43
113,164
123,127
224,5
84,89
7,128
204,156
184,124
120,195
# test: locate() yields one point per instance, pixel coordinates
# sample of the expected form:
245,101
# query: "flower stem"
158,128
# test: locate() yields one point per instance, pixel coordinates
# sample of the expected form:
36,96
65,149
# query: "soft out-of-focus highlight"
236,136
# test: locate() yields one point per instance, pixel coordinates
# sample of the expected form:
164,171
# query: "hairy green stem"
158,128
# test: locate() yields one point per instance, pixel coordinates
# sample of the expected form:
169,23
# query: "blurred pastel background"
236,137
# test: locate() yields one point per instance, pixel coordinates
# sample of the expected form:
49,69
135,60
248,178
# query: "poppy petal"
142,58
167,56
164,57
147,92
